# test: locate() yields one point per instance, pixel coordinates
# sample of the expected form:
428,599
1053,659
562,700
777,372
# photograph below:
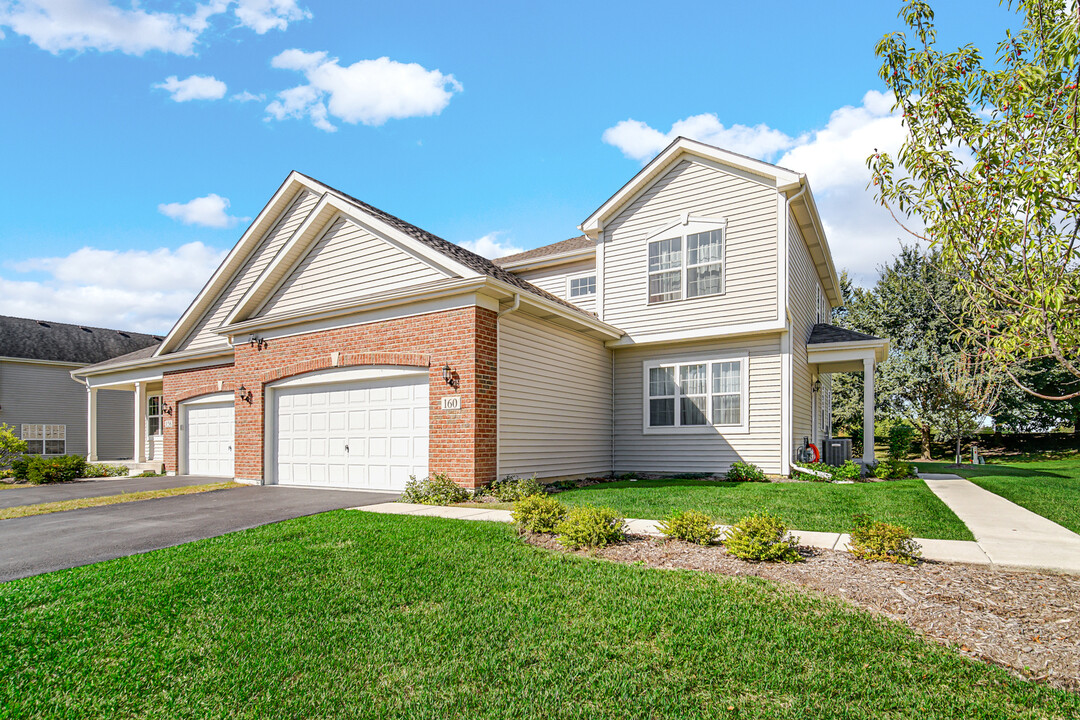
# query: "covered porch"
831,349
147,451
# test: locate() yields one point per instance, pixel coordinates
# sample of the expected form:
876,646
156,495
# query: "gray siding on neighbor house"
712,452
201,336
346,263
554,400
553,279
704,189
46,394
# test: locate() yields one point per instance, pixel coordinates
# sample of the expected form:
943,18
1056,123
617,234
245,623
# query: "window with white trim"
687,261
153,415
581,286
699,393
43,439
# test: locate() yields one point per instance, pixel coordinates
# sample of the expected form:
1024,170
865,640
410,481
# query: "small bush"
437,489
44,470
884,542
590,527
900,437
95,470
762,537
691,526
893,470
538,513
746,472
848,471
149,473
512,489
11,446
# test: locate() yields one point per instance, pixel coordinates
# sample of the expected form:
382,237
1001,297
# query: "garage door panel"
209,438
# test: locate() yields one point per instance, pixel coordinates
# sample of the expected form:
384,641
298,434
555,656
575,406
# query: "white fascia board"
762,328
679,147
284,197
853,350
183,361
580,318
830,279
547,260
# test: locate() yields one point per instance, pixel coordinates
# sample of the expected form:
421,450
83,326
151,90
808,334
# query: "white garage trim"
224,400
314,380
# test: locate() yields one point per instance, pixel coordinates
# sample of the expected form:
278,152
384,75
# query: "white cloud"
208,211
196,87
491,247
265,15
369,91
243,97
57,25
862,234
131,290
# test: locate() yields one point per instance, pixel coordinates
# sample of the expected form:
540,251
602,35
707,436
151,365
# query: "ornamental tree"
988,175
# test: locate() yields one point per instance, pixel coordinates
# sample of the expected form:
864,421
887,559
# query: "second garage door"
369,434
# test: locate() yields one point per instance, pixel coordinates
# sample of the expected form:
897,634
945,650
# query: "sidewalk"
943,550
1010,535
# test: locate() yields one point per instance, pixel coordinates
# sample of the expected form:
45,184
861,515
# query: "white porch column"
140,423
91,424
868,410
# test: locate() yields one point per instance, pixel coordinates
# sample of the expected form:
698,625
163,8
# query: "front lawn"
349,614
825,507
1050,488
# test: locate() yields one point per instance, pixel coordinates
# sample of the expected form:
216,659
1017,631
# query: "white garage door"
209,432
366,434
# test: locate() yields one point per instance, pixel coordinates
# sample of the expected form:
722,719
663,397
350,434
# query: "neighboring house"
40,400
340,346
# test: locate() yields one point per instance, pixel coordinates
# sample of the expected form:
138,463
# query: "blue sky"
497,125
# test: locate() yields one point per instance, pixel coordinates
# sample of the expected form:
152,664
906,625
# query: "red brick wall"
462,443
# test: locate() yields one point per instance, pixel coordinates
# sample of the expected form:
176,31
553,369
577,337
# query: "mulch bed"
1026,622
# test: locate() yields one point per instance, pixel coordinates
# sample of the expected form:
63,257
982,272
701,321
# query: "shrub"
900,437
95,470
11,446
691,526
893,470
43,470
437,489
538,513
848,471
590,527
746,472
762,537
882,541
149,473
512,489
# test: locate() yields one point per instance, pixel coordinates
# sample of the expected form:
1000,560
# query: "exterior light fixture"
257,342
817,386
165,408
448,376
244,394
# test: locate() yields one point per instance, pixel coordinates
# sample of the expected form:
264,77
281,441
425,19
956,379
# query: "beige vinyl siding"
638,451
554,280
554,400
701,189
803,307
201,336
347,262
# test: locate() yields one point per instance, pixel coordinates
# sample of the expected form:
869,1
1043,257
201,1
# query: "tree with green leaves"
989,175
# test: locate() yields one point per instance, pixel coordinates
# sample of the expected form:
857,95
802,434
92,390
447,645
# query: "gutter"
153,361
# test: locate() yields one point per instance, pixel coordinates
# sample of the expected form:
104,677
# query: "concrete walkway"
943,550
1010,535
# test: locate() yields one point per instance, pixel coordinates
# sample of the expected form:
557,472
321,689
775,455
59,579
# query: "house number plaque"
452,402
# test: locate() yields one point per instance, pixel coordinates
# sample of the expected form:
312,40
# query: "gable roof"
581,242
823,333
62,342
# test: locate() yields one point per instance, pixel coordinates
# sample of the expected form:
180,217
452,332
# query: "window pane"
154,425
726,377
693,411
706,247
662,412
665,286
704,280
661,381
54,447
727,410
665,254
154,406
693,379
34,447
583,286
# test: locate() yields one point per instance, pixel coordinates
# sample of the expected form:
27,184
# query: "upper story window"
581,285
696,393
686,260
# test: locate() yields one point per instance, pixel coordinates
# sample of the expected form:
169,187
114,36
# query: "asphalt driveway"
44,543
95,487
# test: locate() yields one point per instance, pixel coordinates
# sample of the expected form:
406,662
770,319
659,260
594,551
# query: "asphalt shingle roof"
61,342
824,333
575,243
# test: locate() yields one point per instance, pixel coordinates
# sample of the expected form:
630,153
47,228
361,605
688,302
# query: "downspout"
612,413
788,401
512,308
498,381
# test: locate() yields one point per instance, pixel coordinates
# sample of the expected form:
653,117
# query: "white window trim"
577,276
741,429
688,225
160,415
43,439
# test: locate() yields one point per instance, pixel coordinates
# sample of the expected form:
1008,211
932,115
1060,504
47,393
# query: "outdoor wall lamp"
244,394
448,376
817,386
257,342
165,408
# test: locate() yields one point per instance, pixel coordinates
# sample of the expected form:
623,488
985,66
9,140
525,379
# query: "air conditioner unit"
837,451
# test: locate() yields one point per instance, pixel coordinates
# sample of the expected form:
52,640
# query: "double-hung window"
45,439
699,393
687,261
153,415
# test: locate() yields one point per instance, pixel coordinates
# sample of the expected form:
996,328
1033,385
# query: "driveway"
96,487
43,543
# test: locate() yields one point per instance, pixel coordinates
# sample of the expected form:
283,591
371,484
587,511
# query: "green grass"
823,507
350,614
1050,488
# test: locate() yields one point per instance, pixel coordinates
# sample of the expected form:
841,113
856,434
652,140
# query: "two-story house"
339,346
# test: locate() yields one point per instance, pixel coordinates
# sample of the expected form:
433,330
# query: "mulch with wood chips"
1026,622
